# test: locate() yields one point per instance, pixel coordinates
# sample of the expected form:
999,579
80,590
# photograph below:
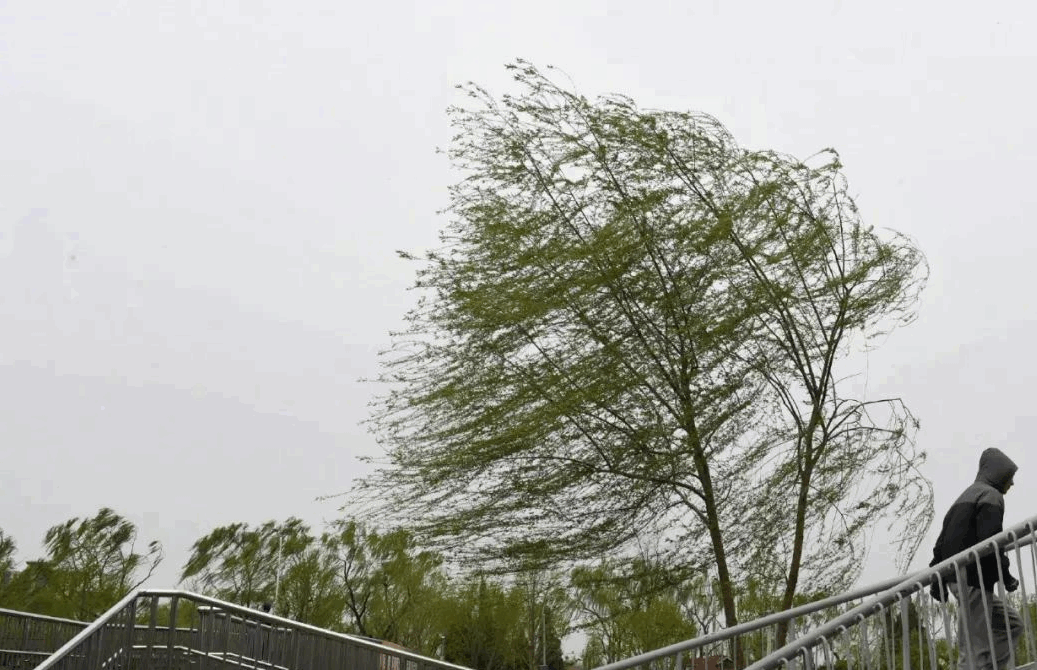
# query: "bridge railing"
749,641
26,639
141,632
891,625
905,628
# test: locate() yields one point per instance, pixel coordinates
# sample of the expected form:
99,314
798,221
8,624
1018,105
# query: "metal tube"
905,642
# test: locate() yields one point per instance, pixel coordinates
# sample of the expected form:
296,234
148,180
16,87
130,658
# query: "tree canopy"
635,327
90,564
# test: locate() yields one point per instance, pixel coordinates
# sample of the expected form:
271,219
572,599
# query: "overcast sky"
200,204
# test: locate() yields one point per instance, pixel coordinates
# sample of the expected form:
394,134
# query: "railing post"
149,634
131,630
25,633
173,602
905,632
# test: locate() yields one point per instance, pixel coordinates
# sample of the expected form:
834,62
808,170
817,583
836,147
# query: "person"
976,515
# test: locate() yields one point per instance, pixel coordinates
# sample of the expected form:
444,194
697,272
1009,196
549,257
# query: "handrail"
41,617
94,626
754,625
254,615
1013,536
287,623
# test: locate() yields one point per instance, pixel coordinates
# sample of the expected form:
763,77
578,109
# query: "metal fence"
26,639
174,630
891,625
750,641
905,628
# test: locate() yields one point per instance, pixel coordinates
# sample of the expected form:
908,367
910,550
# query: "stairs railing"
26,639
891,625
905,627
751,640
141,633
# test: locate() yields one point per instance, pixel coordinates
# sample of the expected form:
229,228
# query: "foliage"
93,563
391,587
628,609
637,329
278,563
494,626
90,565
310,589
8,548
485,627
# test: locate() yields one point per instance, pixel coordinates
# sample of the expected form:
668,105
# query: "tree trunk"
782,632
717,539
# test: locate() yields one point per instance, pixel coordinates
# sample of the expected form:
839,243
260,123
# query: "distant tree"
627,608
90,565
637,328
486,626
498,626
391,585
8,549
311,589
239,563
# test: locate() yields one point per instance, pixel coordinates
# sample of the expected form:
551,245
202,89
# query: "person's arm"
989,519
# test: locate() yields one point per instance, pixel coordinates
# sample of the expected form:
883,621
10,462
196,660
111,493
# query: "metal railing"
905,628
172,630
26,639
751,640
890,625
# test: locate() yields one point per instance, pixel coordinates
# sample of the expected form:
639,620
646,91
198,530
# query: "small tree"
391,586
239,563
8,550
91,564
486,626
311,590
627,609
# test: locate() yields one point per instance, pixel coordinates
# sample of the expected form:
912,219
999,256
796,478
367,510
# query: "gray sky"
200,203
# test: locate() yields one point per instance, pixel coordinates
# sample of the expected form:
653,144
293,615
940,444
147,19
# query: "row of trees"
381,584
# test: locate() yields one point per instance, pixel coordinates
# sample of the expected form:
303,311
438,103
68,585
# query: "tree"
485,626
310,587
815,277
492,625
240,564
90,565
8,549
629,608
636,328
391,586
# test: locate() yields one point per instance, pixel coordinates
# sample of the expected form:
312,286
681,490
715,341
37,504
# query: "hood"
995,468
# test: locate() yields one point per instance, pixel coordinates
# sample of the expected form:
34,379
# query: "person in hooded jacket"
976,515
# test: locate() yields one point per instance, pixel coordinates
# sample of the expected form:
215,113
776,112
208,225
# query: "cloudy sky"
200,204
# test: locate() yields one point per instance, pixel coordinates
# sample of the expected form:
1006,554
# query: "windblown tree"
392,588
8,551
310,589
8,548
485,627
627,608
91,563
634,328
240,563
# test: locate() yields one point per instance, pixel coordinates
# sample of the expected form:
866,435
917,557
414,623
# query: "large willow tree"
635,327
